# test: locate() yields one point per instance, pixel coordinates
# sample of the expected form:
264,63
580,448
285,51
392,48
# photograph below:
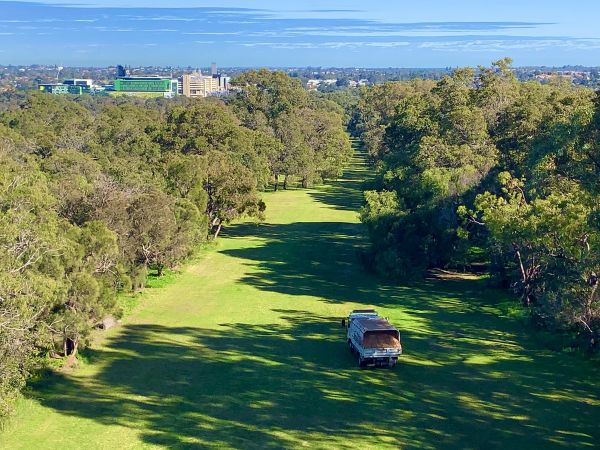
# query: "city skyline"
325,33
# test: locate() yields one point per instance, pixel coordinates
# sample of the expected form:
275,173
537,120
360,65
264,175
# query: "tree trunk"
218,231
276,186
160,270
70,346
305,182
285,182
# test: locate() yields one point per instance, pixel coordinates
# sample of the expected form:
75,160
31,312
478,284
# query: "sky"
288,33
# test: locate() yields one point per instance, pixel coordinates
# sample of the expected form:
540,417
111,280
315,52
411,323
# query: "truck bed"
380,340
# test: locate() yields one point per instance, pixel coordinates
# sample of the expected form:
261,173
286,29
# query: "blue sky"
425,33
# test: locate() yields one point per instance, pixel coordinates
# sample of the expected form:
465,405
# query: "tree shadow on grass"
462,352
346,192
321,259
469,379
275,386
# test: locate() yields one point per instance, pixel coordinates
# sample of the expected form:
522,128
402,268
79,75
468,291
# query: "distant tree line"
481,168
94,193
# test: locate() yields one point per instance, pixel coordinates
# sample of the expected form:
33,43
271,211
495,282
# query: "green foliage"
555,247
481,160
231,192
301,136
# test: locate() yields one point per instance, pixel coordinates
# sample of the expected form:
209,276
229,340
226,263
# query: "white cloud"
166,19
215,33
499,45
328,45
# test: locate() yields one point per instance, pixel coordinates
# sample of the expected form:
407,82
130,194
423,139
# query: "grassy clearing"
245,350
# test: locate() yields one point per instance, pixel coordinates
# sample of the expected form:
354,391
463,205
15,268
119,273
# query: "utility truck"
372,338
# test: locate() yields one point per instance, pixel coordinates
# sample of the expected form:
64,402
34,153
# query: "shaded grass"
244,350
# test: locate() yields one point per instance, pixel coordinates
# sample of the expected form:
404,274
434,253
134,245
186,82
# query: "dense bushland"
482,164
94,193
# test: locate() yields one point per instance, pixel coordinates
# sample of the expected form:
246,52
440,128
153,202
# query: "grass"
128,302
245,350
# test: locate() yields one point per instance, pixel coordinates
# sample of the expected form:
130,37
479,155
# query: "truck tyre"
361,361
350,346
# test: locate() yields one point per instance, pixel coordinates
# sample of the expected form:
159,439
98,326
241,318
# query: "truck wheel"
350,346
361,361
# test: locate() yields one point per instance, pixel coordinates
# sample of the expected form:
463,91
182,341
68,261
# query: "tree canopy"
479,163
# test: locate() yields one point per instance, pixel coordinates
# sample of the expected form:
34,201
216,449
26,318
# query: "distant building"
198,85
86,82
145,86
75,87
175,87
224,82
121,72
313,84
213,69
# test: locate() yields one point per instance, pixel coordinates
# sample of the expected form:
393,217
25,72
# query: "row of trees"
94,193
480,163
309,129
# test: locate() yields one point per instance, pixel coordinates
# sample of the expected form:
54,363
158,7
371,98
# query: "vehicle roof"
376,324
363,311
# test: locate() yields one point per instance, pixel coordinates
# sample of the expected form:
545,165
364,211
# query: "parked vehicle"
373,339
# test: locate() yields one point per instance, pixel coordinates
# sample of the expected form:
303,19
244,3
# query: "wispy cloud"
328,45
498,45
213,33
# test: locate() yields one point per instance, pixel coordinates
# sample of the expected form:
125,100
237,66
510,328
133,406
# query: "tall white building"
198,85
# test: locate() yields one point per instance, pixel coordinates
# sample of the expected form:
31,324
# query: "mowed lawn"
245,350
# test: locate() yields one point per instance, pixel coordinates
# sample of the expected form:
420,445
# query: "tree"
51,123
554,246
308,131
231,191
31,281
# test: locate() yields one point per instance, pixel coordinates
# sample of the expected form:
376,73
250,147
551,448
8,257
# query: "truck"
372,339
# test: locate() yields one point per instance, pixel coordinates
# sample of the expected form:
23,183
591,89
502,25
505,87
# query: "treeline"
482,168
94,193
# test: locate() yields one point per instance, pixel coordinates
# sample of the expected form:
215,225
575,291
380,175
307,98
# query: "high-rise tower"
121,71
